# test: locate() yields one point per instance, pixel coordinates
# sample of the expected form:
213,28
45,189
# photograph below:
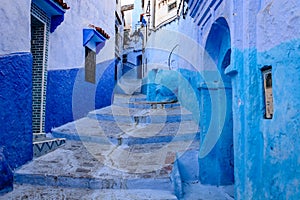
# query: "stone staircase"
124,149
43,144
129,83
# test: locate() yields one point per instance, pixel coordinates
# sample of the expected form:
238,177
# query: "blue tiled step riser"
153,119
152,106
159,139
119,140
43,147
126,101
93,183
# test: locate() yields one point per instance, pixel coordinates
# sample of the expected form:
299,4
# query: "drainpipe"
169,61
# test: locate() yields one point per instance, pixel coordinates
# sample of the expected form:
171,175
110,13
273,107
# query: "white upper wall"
162,11
278,22
126,2
15,26
66,50
128,19
137,11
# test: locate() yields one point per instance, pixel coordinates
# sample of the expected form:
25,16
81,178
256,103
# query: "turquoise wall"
261,33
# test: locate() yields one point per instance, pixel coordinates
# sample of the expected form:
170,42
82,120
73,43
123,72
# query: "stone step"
43,145
48,192
93,183
97,166
37,136
130,85
140,101
124,100
132,115
106,132
152,105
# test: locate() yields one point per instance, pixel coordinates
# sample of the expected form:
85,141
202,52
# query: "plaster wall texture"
180,46
15,106
66,50
15,27
15,90
265,149
278,45
272,19
262,33
70,97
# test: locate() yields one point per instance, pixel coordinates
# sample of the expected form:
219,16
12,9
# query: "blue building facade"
237,64
42,72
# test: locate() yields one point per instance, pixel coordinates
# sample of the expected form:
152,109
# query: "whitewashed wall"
14,26
66,50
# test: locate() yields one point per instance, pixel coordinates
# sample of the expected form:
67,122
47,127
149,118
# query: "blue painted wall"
281,144
266,150
59,97
106,84
266,158
216,111
162,85
15,106
70,97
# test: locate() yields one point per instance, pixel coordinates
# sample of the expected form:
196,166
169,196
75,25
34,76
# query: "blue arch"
218,41
216,168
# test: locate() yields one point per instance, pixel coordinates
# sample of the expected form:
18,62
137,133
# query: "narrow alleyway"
124,151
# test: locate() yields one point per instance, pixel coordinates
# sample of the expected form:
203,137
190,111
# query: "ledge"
53,10
91,38
214,86
231,71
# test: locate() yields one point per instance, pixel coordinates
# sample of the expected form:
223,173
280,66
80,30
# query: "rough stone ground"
95,164
197,191
33,192
75,161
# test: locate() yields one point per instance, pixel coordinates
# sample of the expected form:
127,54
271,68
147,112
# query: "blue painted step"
156,139
109,132
140,101
92,183
123,115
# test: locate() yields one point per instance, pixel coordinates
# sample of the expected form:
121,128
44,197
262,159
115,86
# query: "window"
172,6
268,93
90,65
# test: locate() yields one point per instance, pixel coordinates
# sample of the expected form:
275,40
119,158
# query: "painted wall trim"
53,10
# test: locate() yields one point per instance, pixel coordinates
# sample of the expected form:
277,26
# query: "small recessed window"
268,92
172,6
90,65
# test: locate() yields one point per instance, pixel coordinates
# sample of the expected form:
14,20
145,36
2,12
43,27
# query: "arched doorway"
217,167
